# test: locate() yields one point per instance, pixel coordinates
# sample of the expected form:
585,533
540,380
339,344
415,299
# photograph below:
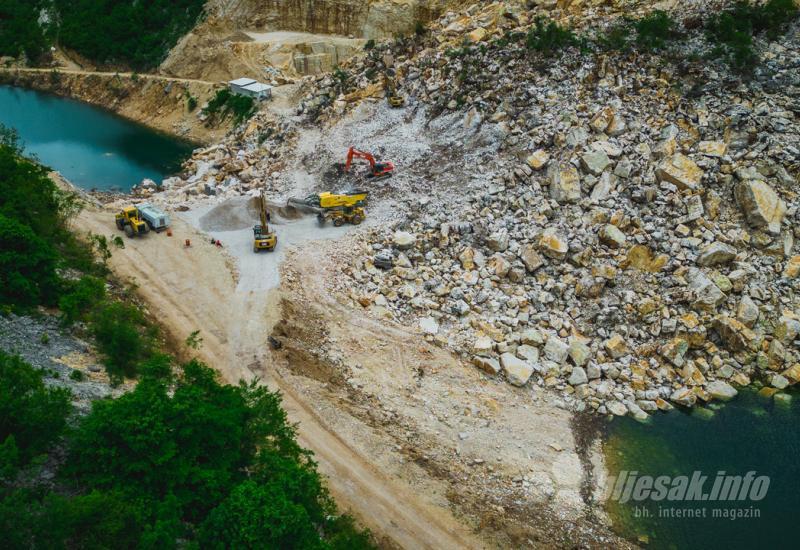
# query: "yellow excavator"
263,237
340,208
130,221
392,97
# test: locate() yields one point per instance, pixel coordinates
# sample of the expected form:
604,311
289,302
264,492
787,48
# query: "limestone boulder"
747,312
489,365
517,371
683,396
705,294
760,204
735,335
716,253
556,350
610,235
538,159
403,240
565,184
595,162
553,245
530,257
578,377
681,171
721,390
498,241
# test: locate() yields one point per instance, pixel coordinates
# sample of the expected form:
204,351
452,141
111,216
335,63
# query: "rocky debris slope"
43,343
632,246
248,159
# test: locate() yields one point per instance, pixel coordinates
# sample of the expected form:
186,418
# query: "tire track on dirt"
193,289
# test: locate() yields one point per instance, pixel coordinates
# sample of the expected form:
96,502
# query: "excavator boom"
377,169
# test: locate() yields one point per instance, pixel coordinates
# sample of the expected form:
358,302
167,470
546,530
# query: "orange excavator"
378,170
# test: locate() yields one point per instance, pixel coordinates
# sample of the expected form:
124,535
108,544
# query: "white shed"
237,86
258,91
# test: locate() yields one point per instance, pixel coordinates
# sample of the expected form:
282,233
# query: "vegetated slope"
20,31
113,32
136,34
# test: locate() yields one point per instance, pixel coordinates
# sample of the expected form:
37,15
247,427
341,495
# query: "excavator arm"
262,211
376,169
355,153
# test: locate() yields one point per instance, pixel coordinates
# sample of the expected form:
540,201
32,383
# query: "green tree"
32,415
135,33
123,337
222,459
27,266
20,31
80,297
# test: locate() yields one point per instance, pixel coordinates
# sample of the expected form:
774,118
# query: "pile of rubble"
635,244
244,162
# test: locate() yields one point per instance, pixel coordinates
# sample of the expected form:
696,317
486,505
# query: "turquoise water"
91,147
750,433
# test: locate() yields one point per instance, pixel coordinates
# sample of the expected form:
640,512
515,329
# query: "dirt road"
193,288
143,76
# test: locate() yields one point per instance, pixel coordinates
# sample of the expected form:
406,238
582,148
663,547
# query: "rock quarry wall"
368,19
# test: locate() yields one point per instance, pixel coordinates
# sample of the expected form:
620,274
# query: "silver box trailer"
156,218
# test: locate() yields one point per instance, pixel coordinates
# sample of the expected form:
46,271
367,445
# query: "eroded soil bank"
158,102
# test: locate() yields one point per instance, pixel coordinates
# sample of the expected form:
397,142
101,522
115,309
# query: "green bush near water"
34,237
225,103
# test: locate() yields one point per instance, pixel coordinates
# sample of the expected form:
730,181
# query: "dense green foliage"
20,32
80,297
32,416
731,31
226,103
135,33
34,240
654,30
123,337
186,460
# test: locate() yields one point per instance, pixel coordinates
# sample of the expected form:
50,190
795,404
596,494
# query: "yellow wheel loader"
340,208
263,237
130,221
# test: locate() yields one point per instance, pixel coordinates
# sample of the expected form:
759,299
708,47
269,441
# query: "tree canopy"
136,33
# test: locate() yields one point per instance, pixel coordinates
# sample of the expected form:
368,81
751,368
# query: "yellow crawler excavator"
392,97
263,237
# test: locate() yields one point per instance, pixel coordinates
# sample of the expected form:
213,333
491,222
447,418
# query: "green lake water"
750,433
91,147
